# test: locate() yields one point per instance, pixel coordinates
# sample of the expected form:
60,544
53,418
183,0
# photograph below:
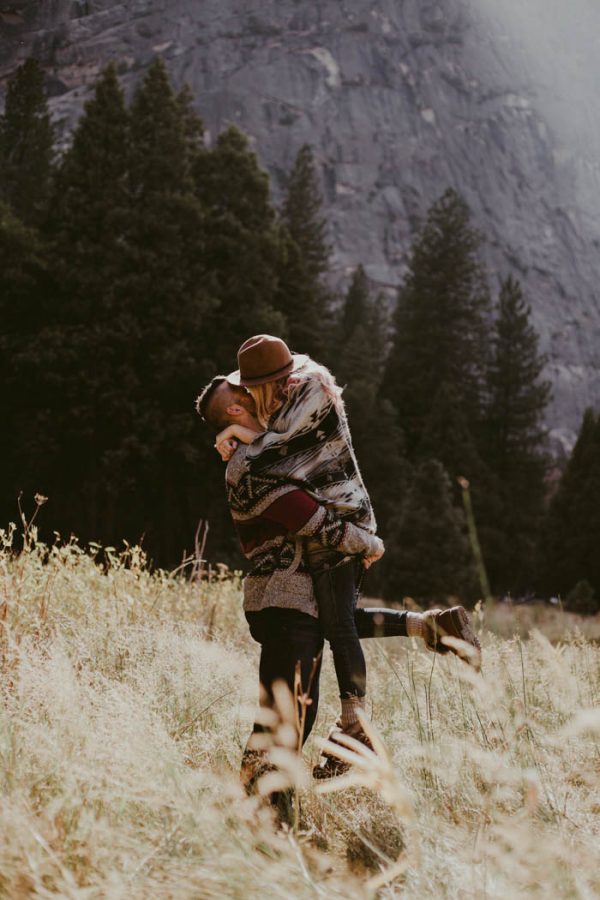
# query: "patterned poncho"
274,519
308,443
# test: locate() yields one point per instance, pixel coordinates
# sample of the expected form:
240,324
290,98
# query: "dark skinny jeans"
336,592
288,635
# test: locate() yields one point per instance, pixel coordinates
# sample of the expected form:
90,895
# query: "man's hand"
373,557
226,448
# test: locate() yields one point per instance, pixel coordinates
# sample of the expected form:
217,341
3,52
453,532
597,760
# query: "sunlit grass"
127,698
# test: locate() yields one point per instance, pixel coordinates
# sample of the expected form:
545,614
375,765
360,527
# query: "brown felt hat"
264,358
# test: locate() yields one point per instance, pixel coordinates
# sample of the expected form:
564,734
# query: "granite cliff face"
399,98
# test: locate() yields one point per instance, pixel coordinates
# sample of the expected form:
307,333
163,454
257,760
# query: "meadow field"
127,698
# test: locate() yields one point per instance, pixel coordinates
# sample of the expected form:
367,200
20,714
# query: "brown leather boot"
254,765
331,767
452,623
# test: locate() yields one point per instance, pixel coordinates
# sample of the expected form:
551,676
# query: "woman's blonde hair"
268,398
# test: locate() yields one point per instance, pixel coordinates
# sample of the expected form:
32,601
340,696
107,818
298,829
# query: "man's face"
238,407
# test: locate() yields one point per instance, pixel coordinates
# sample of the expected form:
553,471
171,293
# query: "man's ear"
234,409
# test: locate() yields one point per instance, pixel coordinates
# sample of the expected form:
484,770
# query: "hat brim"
298,360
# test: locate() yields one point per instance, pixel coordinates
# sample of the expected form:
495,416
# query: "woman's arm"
228,440
301,515
243,434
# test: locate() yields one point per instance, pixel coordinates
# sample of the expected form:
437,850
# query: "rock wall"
399,98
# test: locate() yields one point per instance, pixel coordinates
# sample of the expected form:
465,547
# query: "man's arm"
300,514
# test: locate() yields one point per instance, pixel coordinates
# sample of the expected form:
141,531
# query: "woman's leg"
381,622
432,626
335,590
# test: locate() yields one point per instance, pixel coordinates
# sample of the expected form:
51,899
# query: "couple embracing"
306,525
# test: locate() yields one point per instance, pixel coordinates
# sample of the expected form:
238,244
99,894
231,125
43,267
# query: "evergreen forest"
134,263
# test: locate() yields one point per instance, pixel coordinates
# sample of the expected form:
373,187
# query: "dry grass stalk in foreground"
127,698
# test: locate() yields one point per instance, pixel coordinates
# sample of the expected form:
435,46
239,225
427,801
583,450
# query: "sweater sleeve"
301,515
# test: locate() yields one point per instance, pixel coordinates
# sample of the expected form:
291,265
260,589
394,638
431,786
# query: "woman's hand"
226,448
375,555
226,434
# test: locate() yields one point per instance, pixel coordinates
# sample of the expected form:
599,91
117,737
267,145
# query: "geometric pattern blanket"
273,520
307,448
308,443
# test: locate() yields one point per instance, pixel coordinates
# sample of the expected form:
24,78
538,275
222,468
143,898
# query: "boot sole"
462,625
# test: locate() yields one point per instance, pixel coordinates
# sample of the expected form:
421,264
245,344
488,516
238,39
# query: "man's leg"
286,636
289,636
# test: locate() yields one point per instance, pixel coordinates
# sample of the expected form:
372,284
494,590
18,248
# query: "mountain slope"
398,99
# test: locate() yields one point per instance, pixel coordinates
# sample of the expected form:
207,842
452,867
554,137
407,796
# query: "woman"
307,440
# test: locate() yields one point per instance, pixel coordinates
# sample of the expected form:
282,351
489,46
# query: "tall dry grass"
127,698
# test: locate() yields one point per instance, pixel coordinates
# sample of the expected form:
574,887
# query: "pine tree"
25,391
377,438
440,324
87,346
167,229
515,435
360,313
304,297
447,437
89,216
22,264
356,310
518,397
571,535
26,144
302,213
160,128
193,127
428,556
243,246
165,307
129,245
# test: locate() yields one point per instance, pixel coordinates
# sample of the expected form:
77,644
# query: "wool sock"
350,705
415,625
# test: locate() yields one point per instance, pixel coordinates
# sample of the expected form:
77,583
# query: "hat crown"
263,355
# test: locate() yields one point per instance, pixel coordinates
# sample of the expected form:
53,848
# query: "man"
274,518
